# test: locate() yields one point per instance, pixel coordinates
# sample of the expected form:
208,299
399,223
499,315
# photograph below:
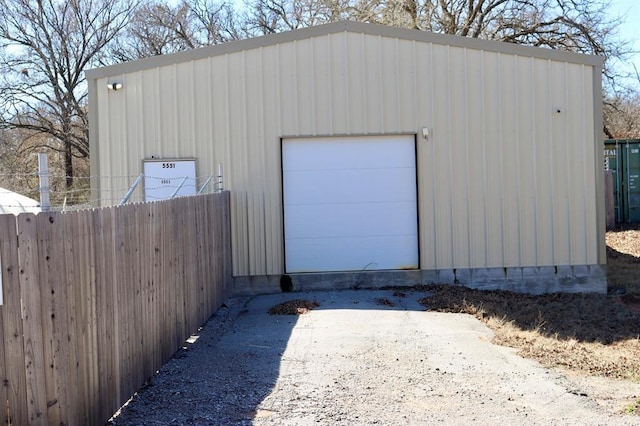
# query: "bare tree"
14,164
273,16
45,46
19,168
576,25
622,115
159,28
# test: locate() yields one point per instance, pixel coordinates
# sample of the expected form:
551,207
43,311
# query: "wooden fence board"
225,244
92,395
4,346
32,319
143,217
81,297
105,322
226,247
3,364
201,259
74,316
155,277
176,288
177,239
14,367
216,229
122,229
191,281
168,291
131,290
119,306
209,253
187,273
55,325
137,258
79,303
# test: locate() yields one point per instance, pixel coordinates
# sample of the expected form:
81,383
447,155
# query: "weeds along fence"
95,301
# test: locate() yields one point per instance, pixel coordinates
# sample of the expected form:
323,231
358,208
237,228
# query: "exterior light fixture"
114,86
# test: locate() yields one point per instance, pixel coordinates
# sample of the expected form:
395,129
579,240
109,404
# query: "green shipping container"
611,156
622,156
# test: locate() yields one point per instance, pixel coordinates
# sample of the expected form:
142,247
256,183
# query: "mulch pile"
293,307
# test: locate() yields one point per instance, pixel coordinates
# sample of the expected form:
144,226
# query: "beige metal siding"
504,180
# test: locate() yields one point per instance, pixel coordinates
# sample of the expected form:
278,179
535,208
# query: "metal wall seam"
567,116
534,159
434,140
553,188
467,122
94,145
483,91
141,108
193,123
347,82
503,233
517,143
266,197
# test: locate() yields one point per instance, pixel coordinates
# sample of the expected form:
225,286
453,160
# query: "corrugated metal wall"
507,177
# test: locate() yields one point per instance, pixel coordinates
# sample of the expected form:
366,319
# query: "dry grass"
594,334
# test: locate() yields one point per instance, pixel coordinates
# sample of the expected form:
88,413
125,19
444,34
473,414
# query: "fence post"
219,185
43,175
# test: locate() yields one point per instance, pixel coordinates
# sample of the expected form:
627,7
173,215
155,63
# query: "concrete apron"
395,363
532,280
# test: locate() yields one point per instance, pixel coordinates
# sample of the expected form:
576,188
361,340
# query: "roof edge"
337,27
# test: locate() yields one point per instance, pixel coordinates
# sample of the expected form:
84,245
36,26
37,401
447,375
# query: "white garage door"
350,203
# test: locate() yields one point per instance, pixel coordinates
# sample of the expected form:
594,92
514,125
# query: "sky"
630,29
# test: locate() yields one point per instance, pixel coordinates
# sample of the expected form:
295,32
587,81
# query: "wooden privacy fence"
96,301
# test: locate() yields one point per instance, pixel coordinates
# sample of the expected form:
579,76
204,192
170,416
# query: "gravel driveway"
361,357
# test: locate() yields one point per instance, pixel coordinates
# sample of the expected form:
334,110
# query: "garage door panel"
321,153
351,254
350,203
335,220
349,186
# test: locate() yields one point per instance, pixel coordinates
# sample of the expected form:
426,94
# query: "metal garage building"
353,147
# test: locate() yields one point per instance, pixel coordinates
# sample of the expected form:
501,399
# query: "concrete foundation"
531,280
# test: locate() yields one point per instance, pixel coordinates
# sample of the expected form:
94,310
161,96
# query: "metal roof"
343,26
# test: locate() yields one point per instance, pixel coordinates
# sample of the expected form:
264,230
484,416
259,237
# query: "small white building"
351,148
14,203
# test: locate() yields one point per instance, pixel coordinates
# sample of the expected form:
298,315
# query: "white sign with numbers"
164,178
